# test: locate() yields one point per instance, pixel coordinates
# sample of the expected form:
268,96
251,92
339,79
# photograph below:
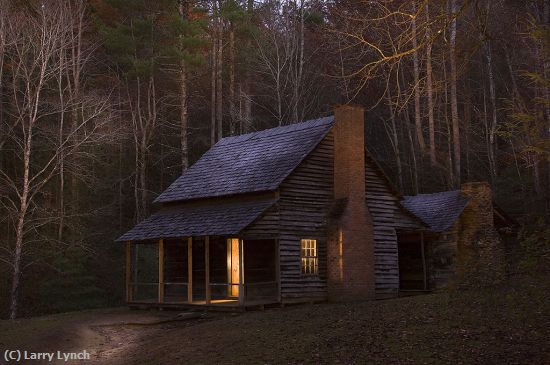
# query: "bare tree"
453,10
283,64
219,76
429,88
185,7
214,73
37,38
416,70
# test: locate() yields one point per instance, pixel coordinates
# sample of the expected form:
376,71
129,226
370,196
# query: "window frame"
309,263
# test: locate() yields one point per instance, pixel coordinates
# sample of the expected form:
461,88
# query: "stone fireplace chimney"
480,256
351,246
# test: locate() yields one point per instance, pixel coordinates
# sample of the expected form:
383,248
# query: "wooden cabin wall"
387,216
265,226
305,198
301,212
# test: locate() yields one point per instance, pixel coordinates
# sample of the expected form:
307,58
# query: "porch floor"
221,304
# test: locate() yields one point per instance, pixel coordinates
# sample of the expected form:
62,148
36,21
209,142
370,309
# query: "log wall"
305,198
301,213
387,216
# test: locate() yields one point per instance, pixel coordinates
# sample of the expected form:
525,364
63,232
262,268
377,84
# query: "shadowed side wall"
388,216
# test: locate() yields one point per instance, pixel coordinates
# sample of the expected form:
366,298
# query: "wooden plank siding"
305,198
265,226
387,216
301,212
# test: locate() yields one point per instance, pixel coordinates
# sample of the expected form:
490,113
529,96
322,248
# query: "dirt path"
121,337
509,324
110,336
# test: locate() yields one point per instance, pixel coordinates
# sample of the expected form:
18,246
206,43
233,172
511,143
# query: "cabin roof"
438,210
252,162
219,218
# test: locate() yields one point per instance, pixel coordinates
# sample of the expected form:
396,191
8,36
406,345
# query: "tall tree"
190,29
453,13
417,91
429,87
39,39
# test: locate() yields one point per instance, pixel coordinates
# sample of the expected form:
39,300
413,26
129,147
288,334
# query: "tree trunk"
395,142
467,131
413,154
299,67
546,73
184,12
183,117
454,96
408,123
2,42
232,112
492,93
451,179
416,65
494,121
214,74
61,191
137,160
75,70
19,232
142,171
429,89
246,119
17,256
219,82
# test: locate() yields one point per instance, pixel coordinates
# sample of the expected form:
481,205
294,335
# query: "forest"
103,103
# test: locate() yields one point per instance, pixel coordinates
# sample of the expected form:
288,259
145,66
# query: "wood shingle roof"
218,219
252,162
438,210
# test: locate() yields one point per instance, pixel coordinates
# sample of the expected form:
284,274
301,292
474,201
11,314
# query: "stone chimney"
480,253
351,245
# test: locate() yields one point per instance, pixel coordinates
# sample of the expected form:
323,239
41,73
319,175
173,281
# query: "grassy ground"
509,324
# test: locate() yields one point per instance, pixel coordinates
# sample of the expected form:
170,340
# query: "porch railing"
177,292
261,291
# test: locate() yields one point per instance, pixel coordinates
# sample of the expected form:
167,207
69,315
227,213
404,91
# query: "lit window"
309,257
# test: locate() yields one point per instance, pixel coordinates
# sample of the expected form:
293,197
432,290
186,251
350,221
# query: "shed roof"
252,162
219,219
438,210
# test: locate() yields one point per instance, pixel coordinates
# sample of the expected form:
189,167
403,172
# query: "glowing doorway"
234,266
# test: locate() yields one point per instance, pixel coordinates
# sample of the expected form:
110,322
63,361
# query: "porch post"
241,274
278,270
161,270
229,245
207,267
128,271
190,269
423,260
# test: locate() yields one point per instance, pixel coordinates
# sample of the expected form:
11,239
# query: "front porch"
207,271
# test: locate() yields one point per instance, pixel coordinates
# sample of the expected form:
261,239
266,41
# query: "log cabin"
303,213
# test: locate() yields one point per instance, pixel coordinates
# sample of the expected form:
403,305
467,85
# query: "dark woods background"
103,103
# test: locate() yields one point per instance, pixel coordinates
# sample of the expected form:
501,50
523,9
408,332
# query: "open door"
412,261
234,266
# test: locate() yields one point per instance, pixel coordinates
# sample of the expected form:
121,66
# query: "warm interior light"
233,266
309,257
